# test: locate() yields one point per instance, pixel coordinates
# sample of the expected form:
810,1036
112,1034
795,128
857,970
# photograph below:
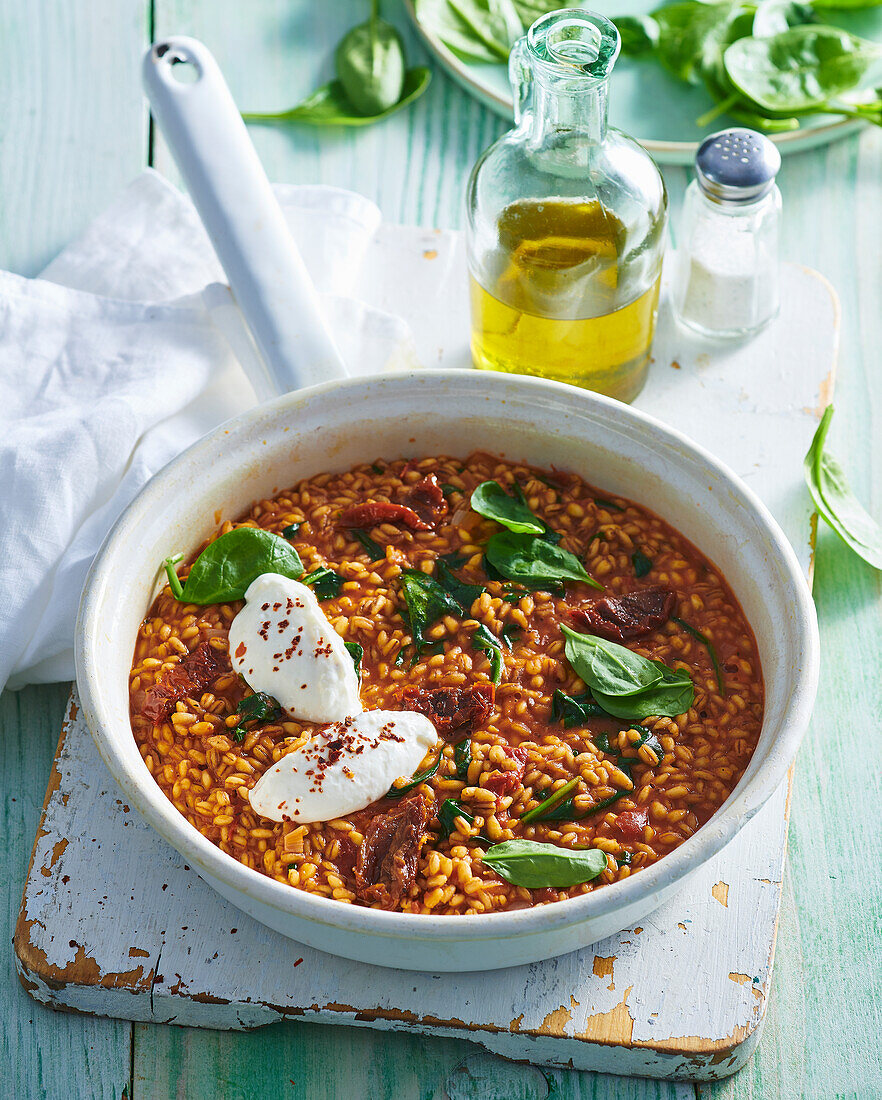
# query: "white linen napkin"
123,353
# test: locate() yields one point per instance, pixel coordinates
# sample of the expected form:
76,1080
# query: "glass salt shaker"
726,280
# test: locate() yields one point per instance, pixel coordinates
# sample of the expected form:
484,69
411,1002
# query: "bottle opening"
575,41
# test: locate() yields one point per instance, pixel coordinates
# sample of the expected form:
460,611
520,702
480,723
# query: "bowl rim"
258,888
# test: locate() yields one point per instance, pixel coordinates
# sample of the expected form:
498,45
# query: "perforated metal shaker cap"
737,165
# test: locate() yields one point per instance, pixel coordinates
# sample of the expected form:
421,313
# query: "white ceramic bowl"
334,426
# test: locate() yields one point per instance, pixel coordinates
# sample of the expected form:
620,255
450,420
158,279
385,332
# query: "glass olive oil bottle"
566,221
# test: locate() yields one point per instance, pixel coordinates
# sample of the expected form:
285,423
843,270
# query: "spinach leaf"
836,503
625,684
801,69
775,16
330,105
693,34
370,64
324,582
642,564
647,738
227,566
549,801
489,499
454,560
255,708
374,550
450,810
426,602
709,646
574,710
534,865
509,635
639,34
291,530
492,646
624,860
464,594
545,532
533,561
420,777
475,30
462,757
356,652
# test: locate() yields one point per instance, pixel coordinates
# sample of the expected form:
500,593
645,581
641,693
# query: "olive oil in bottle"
566,221
553,308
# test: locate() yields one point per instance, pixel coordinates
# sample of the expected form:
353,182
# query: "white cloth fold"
123,353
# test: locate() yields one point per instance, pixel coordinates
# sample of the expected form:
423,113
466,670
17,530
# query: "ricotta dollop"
282,643
344,766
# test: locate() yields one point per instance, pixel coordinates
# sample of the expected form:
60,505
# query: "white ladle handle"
235,201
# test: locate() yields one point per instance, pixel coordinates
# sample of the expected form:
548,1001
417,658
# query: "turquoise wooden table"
74,130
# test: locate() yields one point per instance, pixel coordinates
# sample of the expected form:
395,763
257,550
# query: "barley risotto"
446,686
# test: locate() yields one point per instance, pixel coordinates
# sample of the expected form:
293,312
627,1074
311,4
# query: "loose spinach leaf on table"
534,865
370,65
227,566
489,499
625,684
533,562
836,503
426,603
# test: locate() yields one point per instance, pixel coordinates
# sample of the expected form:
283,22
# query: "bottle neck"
572,108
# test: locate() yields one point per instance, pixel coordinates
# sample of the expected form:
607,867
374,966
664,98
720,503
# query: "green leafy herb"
454,560
356,652
482,639
489,499
534,562
399,658
608,505
377,469
836,503
624,860
625,684
462,757
545,532
447,488
464,594
255,708
227,566
420,777
509,635
639,34
709,646
551,801
291,530
426,603
642,564
648,739
534,865
370,65
324,582
450,810
374,550
574,710
475,30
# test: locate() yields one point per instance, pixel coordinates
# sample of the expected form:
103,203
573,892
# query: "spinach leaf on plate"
534,562
534,865
475,30
227,566
836,503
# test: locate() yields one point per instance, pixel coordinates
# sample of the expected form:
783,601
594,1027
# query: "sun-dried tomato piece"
452,709
375,512
389,854
630,823
190,677
507,782
620,618
426,498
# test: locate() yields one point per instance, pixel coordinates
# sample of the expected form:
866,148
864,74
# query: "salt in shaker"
726,278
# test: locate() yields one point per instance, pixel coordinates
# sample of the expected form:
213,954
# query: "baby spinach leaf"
492,646
642,564
776,16
800,69
356,652
450,810
534,865
330,105
475,30
374,550
709,646
489,499
464,594
549,801
639,34
693,34
462,757
291,530
534,562
574,710
647,738
625,684
255,708
324,582
227,566
624,860
420,777
426,602
509,635
370,65
454,560
836,503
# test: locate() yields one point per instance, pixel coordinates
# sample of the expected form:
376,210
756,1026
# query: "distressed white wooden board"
113,923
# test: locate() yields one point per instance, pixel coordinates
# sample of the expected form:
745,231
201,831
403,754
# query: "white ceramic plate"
333,426
645,101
